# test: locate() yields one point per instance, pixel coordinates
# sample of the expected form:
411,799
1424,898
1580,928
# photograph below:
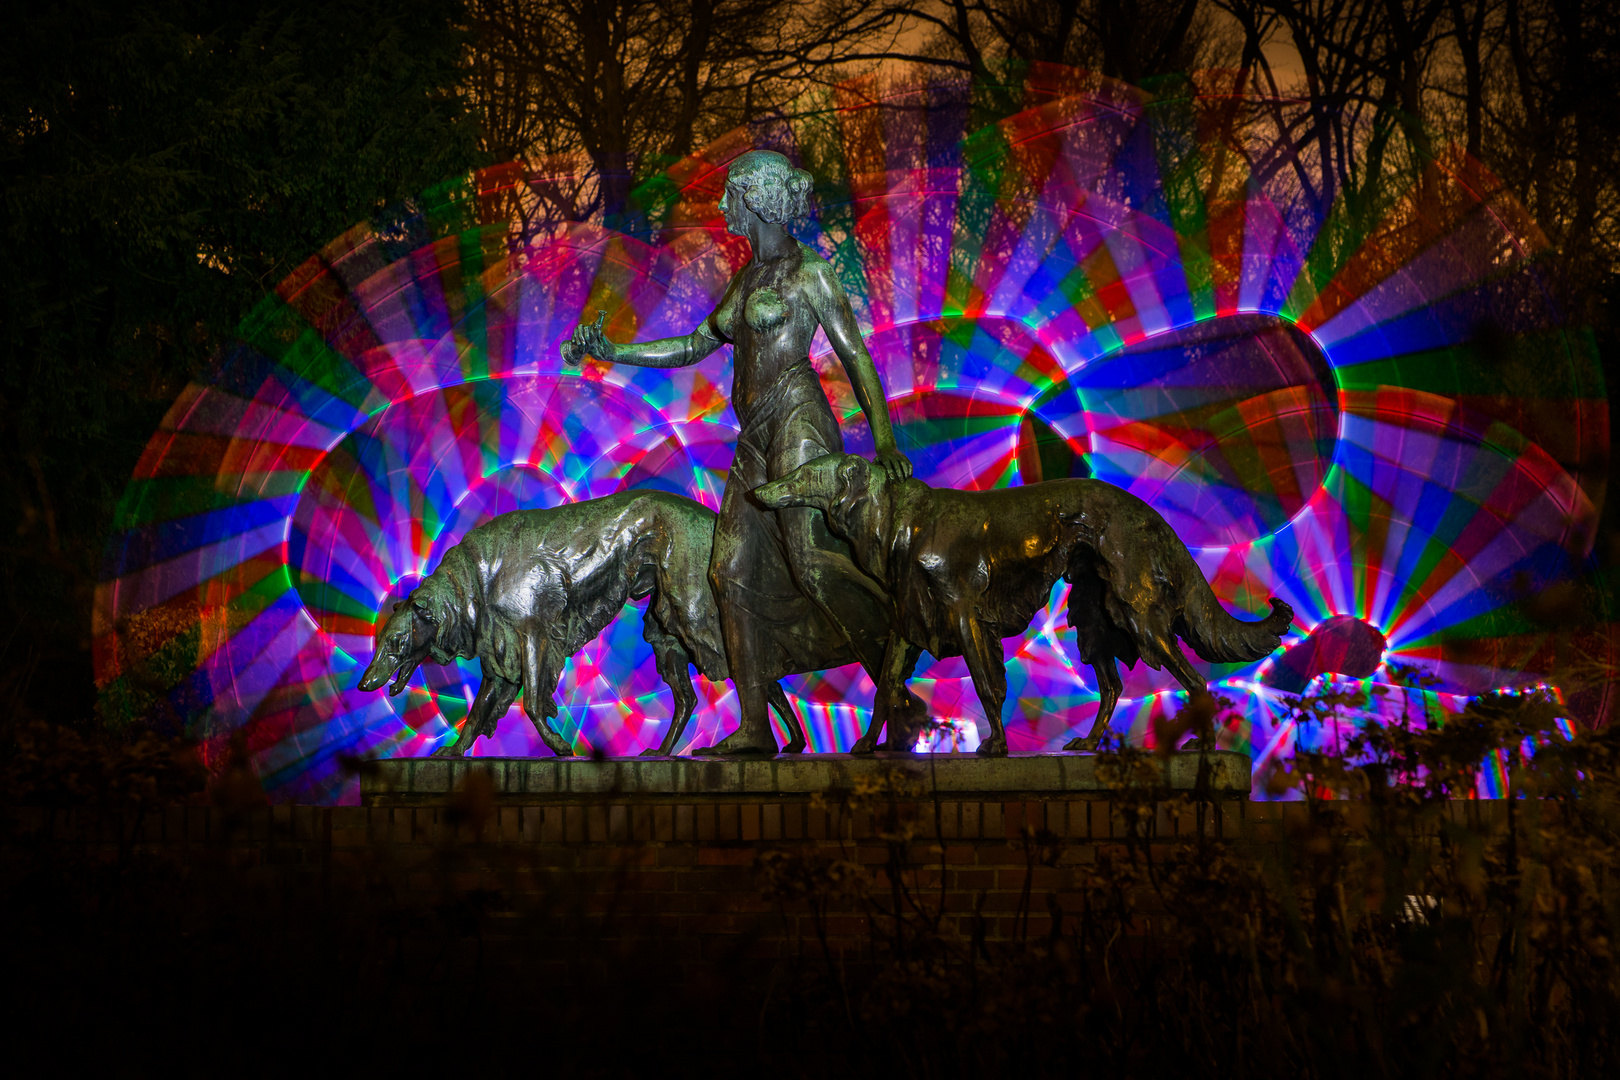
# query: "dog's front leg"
673,667
539,684
796,740
867,743
895,707
989,671
542,726
534,705
495,695
892,704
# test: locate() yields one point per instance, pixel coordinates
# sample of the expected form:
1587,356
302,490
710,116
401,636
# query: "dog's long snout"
777,494
377,673
811,484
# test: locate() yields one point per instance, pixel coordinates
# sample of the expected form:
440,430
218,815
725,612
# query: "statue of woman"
791,598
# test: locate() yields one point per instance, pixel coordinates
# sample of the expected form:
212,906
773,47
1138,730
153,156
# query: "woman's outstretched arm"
838,320
588,340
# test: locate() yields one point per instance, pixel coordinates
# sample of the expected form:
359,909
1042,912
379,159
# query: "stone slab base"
787,777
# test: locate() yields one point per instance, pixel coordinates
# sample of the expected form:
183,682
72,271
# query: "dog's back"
575,565
968,567
1003,550
1000,551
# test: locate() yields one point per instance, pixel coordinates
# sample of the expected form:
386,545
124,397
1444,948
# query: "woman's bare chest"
774,309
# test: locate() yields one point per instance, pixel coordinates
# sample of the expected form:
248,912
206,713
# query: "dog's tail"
1216,636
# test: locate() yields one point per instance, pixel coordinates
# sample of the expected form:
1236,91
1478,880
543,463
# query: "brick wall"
684,875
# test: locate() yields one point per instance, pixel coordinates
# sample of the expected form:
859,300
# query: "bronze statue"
947,571
791,599
525,591
967,568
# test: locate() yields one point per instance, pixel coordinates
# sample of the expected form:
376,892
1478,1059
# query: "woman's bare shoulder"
810,259
814,268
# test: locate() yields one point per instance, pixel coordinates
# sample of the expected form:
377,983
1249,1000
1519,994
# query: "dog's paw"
866,744
794,746
1076,745
653,751
994,747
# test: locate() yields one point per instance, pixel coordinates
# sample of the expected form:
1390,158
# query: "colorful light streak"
1103,284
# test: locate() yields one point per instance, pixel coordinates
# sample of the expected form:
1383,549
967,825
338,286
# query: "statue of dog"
967,568
525,591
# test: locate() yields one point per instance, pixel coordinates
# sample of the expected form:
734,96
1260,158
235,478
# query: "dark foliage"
56,765
1388,929
164,163
1391,930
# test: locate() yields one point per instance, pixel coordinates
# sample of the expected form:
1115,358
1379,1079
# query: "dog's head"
405,642
835,484
852,492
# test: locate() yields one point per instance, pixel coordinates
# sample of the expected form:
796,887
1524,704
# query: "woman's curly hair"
770,186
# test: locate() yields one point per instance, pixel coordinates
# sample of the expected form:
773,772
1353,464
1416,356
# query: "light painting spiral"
1107,283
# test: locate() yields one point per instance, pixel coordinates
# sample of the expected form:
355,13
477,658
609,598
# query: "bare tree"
1360,132
1526,86
1133,40
597,94
1549,125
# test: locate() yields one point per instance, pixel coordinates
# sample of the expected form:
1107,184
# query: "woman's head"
770,186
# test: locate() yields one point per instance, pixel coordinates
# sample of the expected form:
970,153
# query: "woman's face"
735,211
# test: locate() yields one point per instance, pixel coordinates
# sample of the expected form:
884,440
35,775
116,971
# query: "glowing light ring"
1079,289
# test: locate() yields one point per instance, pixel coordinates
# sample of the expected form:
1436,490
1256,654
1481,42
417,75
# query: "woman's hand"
588,340
894,464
